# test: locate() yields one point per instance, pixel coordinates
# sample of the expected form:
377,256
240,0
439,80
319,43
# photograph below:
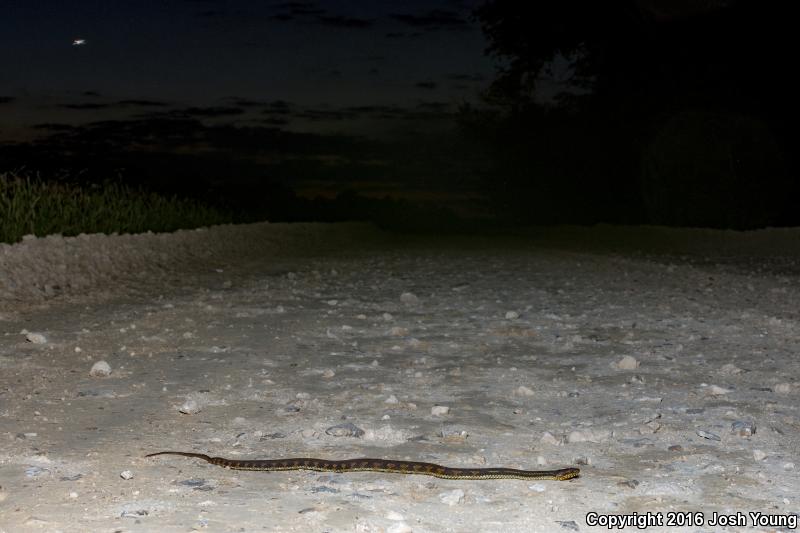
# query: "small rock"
511,315
452,497
347,429
627,363
36,338
707,435
409,298
788,466
783,388
398,331
743,429
439,410
759,455
629,483
570,525
522,390
715,390
392,399
328,373
100,369
729,369
190,407
34,471
549,438
126,474
675,448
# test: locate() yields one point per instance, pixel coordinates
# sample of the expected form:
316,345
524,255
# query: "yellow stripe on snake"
381,465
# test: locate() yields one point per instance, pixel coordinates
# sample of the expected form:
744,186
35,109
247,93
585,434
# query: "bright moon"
78,42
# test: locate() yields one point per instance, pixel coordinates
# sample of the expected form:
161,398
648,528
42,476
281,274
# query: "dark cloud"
277,107
401,34
436,107
300,8
6,99
53,126
467,77
210,111
84,106
297,6
274,121
426,84
142,103
345,22
436,19
317,115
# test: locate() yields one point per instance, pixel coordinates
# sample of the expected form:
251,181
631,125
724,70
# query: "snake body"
380,465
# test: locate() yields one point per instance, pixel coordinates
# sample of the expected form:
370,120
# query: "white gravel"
663,363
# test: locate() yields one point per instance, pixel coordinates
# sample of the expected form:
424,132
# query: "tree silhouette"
637,65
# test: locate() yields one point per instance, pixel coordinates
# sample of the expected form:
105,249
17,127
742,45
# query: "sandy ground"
670,377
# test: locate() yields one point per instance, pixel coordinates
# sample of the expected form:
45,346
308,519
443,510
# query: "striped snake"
381,465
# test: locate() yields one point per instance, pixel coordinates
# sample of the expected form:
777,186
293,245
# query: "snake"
380,465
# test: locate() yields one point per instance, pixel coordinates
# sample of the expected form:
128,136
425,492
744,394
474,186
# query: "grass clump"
30,205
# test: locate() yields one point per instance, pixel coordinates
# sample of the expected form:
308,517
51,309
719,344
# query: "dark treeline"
675,112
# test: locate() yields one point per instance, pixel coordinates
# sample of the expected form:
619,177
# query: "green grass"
29,205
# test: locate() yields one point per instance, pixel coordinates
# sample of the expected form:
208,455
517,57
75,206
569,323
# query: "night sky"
335,63
232,98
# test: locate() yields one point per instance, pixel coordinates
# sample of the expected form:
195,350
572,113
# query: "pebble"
627,363
391,399
126,474
190,407
511,315
452,497
707,435
100,369
398,331
783,388
549,438
439,410
600,435
409,298
522,390
347,429
743,429
715,390
729,369
328,373
34,471
759,455
36,338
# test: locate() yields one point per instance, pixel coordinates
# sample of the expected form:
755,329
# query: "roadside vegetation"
30,205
